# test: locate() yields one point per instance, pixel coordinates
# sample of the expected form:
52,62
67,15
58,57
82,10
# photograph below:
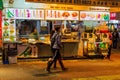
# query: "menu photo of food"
70,15
87,16
74,14
82,15
65,14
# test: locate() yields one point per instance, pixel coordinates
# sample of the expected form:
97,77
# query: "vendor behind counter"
34,34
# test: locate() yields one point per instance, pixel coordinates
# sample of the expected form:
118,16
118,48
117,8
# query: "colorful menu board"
102,16
24,13
9,30
61,15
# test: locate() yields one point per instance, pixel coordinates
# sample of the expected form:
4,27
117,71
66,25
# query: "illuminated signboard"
112,16
94,15
81,2
24,13
61,15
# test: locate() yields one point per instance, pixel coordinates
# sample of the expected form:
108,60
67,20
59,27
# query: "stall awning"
1,5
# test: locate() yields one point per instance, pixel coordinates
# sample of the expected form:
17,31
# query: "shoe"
64,69
48,70
54,67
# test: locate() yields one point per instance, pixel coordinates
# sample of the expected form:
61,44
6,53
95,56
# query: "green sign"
1,4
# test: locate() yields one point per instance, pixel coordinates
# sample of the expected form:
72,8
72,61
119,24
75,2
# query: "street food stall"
20,26
67,20
31,32
94,37
29,25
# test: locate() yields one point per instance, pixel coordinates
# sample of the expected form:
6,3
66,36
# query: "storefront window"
26,27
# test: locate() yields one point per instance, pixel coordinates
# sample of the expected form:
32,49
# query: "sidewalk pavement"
81,69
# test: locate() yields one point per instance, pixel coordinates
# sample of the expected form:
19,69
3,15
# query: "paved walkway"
82,69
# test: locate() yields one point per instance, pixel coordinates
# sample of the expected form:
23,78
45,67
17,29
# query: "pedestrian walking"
52,42
56,50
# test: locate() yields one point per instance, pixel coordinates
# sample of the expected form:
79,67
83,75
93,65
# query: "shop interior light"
113,21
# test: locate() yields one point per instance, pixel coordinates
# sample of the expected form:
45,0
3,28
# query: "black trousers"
115,44
53,51
109,51
57,56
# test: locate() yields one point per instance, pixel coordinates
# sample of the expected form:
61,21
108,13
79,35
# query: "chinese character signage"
62,15
103,16
24,13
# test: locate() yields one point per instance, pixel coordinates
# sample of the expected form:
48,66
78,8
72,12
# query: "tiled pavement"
82,69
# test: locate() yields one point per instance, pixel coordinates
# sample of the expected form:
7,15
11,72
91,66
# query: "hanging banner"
104,16
24,13
61,15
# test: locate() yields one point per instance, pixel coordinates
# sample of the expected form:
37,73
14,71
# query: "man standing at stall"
115,36
56,50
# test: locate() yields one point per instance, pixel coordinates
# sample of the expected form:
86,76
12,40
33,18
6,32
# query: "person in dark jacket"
56,50
110,45
51,34
115,36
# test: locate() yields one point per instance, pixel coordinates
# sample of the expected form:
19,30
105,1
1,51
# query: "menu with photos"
84,15
9,30
61,15
24,13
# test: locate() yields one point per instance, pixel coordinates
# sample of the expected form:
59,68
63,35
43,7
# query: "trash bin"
12,59
12,54
4,57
